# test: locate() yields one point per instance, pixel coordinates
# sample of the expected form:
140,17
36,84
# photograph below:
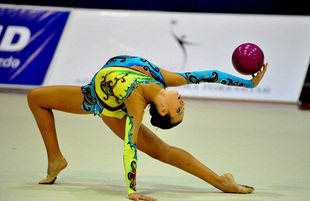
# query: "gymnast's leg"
41,102
152,145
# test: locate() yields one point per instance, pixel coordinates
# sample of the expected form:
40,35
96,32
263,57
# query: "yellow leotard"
113,85
115,82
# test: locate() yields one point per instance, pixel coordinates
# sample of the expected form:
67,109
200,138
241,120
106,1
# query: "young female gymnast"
119,93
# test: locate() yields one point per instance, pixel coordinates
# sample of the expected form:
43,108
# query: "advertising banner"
28,39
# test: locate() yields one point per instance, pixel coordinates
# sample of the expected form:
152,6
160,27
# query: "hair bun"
157,120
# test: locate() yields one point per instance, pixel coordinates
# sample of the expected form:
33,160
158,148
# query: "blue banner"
28,40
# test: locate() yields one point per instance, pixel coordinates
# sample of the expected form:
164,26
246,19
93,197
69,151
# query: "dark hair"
157,120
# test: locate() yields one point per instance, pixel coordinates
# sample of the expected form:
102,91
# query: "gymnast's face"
175,106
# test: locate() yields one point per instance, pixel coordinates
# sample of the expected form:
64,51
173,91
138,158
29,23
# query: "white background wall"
91,37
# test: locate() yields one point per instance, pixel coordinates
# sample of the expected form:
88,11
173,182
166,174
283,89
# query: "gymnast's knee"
33,96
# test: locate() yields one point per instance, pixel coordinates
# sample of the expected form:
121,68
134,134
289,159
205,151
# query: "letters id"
7,45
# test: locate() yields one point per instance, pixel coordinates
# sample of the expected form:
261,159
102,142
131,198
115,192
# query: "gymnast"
119,93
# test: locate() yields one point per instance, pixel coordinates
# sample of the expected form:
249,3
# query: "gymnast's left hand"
260,74
138,197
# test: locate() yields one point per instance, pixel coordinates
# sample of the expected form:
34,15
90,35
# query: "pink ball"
248,58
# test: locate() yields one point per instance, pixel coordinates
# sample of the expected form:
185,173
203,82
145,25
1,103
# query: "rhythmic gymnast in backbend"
119,93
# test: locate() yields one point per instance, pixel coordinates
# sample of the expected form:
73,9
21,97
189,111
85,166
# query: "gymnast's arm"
210,76
135,107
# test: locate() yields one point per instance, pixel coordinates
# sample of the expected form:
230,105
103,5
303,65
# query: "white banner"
187,42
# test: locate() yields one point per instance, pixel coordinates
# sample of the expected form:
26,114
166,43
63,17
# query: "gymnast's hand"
138,197
259,75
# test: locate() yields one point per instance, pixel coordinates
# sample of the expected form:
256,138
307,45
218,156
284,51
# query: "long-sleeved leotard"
114,85
111,87
92,103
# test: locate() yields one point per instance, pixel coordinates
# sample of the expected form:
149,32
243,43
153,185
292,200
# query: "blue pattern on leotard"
215,76
129,61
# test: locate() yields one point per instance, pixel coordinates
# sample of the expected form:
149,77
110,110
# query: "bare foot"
53,170
242,189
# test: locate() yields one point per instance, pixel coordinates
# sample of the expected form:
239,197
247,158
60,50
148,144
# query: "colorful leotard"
99,106
105,93
117,80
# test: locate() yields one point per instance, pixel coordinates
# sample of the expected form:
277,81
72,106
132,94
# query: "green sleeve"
130,156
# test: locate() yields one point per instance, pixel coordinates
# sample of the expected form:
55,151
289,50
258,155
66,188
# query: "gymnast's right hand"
138,197
259,75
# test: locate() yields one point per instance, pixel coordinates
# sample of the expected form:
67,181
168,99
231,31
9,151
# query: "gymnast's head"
168,111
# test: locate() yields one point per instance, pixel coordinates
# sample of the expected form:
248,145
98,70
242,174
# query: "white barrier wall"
92,37
186,42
